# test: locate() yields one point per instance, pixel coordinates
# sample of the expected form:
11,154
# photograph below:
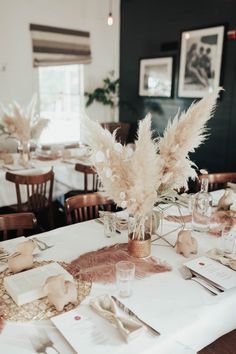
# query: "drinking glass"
229,239
109,221
125,272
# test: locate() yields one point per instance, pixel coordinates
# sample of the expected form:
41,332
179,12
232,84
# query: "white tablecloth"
66,179
185,313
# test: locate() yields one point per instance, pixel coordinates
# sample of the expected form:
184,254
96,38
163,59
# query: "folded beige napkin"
222,257
106,307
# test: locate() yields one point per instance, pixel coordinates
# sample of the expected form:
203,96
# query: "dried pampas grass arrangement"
183,135
133,179
128,176
22,123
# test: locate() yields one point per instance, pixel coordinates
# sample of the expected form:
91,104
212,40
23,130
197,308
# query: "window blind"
59,46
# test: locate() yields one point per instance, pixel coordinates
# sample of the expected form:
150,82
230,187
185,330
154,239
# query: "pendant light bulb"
110,19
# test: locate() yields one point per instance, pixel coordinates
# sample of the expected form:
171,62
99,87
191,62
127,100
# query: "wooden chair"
17,222
89,173
84,207
37,191
218,180
122,130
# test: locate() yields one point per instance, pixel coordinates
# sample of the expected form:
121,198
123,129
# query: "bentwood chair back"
17,222
122,132
84,207
89,172
90,181
37,190
218,180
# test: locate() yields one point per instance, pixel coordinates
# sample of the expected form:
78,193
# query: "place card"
218,274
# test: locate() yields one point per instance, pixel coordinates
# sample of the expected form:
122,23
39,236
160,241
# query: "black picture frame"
156,77
200,61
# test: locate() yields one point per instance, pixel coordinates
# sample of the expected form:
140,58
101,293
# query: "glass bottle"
202,208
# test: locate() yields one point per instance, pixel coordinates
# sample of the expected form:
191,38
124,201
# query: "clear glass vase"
202,208
24,152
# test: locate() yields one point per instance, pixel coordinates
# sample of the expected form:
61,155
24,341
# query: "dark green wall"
148,24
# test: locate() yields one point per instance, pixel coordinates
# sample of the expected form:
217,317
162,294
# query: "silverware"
188,275
42,343
132,314
41,244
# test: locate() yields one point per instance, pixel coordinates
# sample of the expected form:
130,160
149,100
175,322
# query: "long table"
187,315
66,178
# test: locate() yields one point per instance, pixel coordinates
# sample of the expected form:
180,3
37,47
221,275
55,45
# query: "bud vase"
24,153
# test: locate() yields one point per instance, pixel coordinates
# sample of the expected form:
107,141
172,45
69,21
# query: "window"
61,100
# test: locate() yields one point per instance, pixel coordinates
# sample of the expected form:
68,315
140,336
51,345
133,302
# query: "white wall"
19,79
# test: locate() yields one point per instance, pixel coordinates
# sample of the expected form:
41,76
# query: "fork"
188,275
42,343
41,244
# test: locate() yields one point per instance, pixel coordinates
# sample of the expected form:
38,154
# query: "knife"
132,314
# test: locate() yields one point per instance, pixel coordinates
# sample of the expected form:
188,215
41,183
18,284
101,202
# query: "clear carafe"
202,208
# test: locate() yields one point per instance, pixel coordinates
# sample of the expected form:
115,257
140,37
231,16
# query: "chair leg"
51,218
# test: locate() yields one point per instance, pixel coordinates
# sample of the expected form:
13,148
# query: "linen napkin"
222,257
106,307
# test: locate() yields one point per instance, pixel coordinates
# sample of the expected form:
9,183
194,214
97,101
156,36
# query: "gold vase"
139,248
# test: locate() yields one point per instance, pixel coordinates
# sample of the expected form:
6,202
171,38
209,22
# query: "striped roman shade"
59,46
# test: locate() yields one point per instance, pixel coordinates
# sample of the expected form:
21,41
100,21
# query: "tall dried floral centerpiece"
22,124
137,179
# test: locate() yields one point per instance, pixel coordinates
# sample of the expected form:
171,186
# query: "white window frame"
81,104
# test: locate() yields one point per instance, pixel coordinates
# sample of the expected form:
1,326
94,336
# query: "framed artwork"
155,77
200,61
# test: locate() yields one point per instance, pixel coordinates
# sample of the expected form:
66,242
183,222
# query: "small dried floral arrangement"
136,179
22,124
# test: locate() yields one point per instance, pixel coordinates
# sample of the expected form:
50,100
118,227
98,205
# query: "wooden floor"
223,345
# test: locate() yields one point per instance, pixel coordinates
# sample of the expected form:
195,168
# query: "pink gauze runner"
99,266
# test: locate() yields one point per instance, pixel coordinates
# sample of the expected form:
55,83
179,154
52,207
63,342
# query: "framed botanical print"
200,61
155,77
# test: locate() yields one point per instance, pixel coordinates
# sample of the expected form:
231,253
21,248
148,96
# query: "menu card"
85,331
223,277
89,333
